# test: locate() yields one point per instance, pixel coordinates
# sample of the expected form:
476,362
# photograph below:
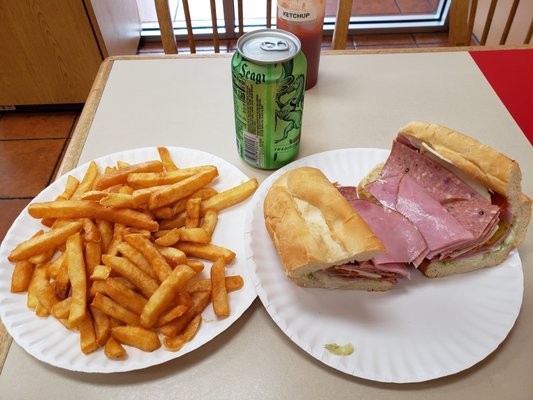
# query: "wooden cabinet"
50,50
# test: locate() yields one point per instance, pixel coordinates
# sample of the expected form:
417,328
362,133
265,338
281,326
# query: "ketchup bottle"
305,19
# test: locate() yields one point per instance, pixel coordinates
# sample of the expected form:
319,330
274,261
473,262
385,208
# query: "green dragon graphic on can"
268,72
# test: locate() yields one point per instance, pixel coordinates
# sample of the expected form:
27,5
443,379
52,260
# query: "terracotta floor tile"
11,208
415,6
373,7
27,166
384,40
388,46
36,125
426,38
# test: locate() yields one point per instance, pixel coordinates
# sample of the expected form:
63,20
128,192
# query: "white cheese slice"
474,184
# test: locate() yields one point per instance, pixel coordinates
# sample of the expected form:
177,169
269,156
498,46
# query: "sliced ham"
440,183
401,238
385,190
439,228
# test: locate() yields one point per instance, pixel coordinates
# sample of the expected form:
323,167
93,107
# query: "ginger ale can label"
268,74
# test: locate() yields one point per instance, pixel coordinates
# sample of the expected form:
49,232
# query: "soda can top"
268,46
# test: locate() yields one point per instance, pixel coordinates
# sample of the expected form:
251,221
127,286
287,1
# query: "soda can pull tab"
269,45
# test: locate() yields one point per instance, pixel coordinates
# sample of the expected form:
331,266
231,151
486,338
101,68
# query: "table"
361,99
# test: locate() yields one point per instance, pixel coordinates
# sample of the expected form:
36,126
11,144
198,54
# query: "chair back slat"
165,26
342,23
529,33
214,24
188,23
509,22
269,14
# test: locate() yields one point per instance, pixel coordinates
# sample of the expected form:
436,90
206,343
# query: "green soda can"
268,71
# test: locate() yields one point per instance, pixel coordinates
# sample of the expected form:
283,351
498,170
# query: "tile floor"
31,148
32,144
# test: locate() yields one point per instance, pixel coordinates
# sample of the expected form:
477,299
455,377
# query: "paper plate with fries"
128,261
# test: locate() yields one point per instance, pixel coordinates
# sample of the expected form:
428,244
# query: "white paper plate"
420,330
47,340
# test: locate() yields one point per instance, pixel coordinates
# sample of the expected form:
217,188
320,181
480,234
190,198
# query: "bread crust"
313,226
492,168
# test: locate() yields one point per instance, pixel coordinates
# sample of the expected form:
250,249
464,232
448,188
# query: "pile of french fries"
121,259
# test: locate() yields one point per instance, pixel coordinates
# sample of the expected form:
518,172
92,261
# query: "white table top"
360,101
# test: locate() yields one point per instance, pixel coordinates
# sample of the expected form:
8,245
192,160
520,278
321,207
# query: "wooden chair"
168,38
463,15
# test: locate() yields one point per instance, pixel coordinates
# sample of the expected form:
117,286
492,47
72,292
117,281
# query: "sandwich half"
321,240
465,197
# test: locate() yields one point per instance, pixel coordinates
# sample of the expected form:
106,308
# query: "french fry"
206,251
61,309
135,336
106,234
149,251
44,291
62,281
196,235
166,159
44,242
125,296
209,222
172,255
97,287
219,295
164,295
87,181
126,189
78,279
93,255
197,265
233,283
184,298
43,257
176,222
70,188
21,277
182,189
164,212
41,311
102,326
38,272
171,315
121,176
122,164
136,257
92,234
113,309
177,342
87,335
146,284
117,200
229,197
149,179
200,302
192,210
95,195
113,349
54,266
100,273
118,237
169,238
92,209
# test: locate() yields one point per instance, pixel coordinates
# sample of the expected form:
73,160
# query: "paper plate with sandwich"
395,266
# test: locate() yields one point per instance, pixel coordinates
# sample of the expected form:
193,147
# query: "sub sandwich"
321,240
464,198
